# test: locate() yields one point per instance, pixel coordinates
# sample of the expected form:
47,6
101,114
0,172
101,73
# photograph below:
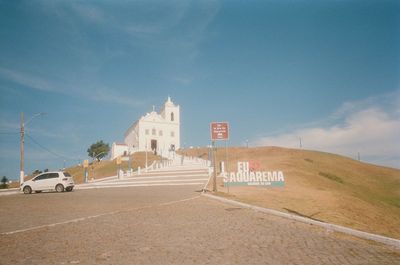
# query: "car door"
52,181
40,182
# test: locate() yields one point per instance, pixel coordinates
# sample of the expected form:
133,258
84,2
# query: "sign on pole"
86,163
219,131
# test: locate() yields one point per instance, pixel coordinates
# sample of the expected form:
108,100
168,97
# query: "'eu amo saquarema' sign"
251,176
219,131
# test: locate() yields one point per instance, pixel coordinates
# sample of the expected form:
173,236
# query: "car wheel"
59,188
69,189
27,190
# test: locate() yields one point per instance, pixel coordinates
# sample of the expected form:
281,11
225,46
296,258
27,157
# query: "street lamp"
94,159
22,173
95,156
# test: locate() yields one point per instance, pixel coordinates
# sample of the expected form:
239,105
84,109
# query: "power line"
48,150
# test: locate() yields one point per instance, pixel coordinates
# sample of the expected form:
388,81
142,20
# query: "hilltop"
322,186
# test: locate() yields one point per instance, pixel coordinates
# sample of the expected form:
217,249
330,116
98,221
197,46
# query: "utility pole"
300,143
22,173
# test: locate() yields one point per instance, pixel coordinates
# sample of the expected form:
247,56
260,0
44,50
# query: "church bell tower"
170,112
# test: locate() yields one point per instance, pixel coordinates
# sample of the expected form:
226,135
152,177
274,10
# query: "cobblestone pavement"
165,225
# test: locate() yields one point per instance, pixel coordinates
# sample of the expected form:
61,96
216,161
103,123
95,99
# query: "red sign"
219,131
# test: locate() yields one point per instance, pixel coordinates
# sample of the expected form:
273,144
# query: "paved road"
164,223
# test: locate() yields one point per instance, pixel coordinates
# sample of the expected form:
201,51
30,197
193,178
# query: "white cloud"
41,84
27,80
370,127
8,125
173,28
108,95
89,12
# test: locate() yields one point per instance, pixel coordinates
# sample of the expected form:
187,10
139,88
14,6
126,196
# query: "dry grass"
102,169
322,186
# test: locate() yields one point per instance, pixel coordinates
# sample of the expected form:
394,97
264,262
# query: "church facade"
157,132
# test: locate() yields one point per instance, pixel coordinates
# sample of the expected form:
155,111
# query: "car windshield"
67,174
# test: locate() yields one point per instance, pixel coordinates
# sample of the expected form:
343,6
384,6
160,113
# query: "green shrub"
331,177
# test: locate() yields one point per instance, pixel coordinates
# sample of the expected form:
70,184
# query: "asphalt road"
164,225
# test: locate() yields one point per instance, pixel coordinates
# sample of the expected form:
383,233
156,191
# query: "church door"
154,146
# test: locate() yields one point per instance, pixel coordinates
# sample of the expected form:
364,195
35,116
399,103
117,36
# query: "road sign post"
119,161
219,132
85,166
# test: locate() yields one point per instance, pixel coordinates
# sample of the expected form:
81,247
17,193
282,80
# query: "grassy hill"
107,168
322,186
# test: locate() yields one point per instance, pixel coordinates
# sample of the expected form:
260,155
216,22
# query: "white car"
58,181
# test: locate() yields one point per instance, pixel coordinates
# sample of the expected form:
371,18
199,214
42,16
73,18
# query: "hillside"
104,168
322,186
109,168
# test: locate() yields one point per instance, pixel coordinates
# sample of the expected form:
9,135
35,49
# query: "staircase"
180,171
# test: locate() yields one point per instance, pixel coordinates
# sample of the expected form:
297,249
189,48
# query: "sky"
326,72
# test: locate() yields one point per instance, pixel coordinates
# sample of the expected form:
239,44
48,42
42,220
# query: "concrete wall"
118,150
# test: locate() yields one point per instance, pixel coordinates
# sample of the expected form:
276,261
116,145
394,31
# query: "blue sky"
327,72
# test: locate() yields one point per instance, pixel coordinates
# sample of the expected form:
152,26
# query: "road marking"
97,216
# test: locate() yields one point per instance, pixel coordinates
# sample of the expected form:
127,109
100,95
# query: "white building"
158,132
118,149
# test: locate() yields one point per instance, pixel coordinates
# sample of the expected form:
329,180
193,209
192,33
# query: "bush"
331,177
4,184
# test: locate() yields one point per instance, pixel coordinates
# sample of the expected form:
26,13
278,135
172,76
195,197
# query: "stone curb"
8,190
382,239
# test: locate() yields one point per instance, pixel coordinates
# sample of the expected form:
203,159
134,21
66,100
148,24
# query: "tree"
4,181
98,150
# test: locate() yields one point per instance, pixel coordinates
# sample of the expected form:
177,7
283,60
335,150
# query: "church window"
147,132
160,133
153,132
172,134
172,116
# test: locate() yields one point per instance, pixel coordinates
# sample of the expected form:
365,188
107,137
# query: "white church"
156,132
